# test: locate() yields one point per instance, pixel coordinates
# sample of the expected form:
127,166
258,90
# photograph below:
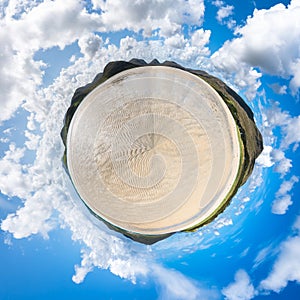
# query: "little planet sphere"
154,149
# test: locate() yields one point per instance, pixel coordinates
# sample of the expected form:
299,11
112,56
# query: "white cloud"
150,15
283,199
32,218
21,37
200,38
297,224
222,222
176,41
287,265
89,44
239,74
270,41
240,289
14,154
13,179
191,51
274,118
82,270
256,179
175,286
15,8
290,125
265,158
286,186
283,164
262,255
37,25
28,26
42,186
32,140
295,70
31,122
279,89
4,140
224,10
281,205
291,132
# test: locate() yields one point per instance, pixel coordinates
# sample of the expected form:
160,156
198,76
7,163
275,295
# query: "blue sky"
51,247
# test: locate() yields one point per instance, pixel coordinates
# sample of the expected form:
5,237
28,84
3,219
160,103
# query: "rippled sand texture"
153,150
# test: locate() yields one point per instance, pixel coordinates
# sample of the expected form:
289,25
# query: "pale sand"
153,150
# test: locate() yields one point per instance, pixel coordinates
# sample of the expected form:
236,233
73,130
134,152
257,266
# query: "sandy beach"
153,150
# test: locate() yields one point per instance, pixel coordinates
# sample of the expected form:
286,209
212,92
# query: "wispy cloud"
265,253
174,286
287,265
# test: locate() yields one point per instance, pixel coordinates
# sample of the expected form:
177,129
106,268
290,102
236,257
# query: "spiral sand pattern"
153,150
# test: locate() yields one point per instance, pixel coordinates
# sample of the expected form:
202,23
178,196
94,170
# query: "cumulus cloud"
165,16
42,185
289,125
32,218
102,248
224,11
241,288
287,265
191,51
46,195
15,9
274,118
20,73
176,41
283,199
265,158
32,140
269,41
13,179
200,39
291,132
28,26
281,205
283,164
89,44
45,190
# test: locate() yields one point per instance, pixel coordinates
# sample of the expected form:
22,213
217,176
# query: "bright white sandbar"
153,150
